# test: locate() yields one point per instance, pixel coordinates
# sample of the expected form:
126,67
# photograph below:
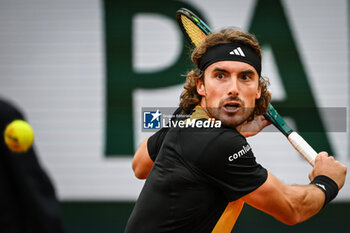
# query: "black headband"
233,51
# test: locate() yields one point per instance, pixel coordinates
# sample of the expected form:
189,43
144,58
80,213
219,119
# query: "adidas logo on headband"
237,51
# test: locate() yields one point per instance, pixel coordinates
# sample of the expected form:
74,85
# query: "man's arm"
142,162
147,153
292,204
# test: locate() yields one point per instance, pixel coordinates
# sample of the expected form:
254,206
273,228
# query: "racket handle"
303,147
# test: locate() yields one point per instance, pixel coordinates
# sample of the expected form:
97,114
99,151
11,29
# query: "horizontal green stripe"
108,217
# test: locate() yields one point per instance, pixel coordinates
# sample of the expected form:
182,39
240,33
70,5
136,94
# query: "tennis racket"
195,30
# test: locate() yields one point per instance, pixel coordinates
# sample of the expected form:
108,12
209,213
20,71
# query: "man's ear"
200,87
258,93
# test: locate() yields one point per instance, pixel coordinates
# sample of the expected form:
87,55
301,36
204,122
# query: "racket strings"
196,35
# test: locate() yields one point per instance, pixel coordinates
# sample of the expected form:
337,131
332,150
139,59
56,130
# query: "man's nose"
233,87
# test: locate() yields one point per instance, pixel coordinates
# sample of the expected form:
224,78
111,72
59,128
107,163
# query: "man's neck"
205,110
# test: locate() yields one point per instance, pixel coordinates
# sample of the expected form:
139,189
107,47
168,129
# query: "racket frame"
195,20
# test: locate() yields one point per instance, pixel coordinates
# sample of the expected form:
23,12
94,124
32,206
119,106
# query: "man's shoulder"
199,143
208,131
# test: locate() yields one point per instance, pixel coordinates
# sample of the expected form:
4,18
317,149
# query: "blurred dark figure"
27,198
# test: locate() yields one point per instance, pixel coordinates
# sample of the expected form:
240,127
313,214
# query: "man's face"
229,91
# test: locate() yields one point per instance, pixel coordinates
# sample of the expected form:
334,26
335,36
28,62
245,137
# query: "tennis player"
198,178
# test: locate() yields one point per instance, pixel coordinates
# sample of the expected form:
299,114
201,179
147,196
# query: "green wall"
108,217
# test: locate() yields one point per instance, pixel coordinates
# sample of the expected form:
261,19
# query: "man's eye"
245,77
220,75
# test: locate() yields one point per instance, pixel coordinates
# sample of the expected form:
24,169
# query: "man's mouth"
232,106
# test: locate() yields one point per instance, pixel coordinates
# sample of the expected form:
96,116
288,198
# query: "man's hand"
253,127
328,166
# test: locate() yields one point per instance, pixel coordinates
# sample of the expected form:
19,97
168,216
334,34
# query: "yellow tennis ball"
19,136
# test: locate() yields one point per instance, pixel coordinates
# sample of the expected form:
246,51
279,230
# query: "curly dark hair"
190,98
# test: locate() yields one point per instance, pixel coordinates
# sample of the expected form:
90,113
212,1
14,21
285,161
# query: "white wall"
52,66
